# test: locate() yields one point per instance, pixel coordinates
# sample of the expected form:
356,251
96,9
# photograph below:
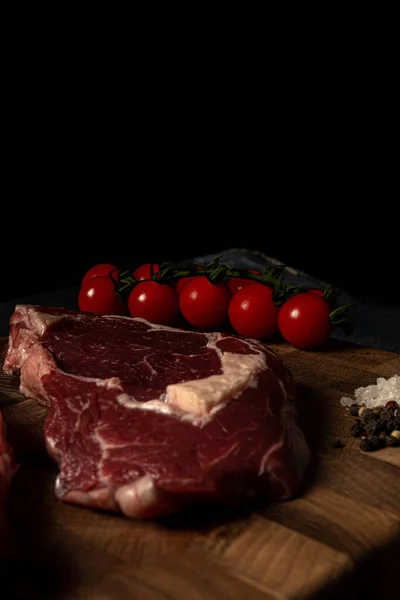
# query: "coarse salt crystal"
376,394
345,401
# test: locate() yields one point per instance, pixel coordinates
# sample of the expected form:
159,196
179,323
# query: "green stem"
214,271
217,272
339,315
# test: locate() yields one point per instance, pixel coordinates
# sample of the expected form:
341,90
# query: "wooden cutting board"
339,539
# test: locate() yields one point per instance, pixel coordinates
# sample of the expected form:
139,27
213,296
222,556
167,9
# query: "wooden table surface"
339,539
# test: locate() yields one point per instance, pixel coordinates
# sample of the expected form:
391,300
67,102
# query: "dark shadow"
373,578
312,420
203,517
312,415
25,421
36,568
336,345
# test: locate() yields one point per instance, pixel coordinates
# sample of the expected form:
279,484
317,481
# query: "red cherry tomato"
184,280
252,312
180,284
144,271
155,302
97,295
304,320
204,304
236,283
102,270
316,291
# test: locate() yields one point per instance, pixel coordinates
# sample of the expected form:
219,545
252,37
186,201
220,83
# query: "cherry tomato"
304,320
101,270
316,291
155,302
252,312
180,284
144,271
236,283
97,295
204,304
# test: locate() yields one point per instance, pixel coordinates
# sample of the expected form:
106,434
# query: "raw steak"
146,419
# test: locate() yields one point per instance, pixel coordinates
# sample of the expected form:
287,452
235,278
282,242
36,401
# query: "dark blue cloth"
375,325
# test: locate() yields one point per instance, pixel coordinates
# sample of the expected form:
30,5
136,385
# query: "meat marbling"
145,419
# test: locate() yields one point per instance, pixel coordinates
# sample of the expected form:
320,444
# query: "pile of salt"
375,395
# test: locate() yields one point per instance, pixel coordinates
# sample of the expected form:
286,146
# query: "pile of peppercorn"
376,427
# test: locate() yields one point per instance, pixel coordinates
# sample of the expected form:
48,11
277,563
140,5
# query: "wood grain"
339,539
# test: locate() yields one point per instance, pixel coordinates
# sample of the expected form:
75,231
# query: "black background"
50,244
100,168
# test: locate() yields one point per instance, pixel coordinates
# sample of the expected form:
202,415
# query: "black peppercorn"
370,415
392,424
356,428
370,443
386,414
373,427
392,441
